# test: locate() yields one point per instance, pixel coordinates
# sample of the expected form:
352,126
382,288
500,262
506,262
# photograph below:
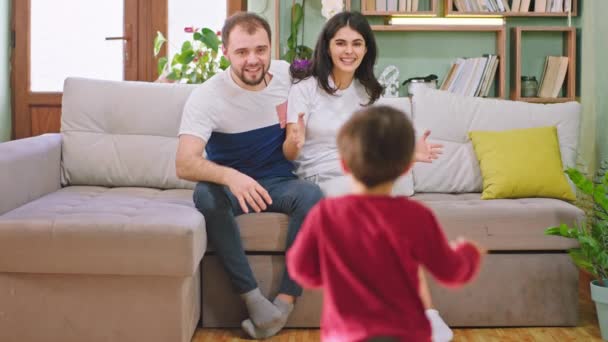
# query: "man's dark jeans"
289,195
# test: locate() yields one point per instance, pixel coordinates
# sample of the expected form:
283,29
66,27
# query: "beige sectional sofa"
99,241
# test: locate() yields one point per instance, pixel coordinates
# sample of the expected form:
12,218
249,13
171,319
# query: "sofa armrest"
29,168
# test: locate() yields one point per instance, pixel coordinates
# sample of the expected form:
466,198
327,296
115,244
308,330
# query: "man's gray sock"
258,332
261,311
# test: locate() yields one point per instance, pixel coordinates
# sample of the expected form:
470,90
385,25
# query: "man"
234,117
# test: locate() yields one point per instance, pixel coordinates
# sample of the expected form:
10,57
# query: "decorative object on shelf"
330,7
529,86
558,79
592,236
198,60
413,83
389,79
297,51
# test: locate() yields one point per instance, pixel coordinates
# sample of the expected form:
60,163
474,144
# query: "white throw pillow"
450,117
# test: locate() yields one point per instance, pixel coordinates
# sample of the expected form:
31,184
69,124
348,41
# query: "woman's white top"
324,114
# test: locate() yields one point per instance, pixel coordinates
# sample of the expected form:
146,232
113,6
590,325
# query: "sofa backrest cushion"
121,133
450,117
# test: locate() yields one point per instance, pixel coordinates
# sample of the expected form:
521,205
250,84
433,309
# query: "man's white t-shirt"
324,114
241,127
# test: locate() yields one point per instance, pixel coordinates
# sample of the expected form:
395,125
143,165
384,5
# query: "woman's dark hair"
322,64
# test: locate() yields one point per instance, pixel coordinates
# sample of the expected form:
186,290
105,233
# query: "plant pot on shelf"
599,294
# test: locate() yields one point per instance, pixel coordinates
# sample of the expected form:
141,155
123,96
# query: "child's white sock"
441,331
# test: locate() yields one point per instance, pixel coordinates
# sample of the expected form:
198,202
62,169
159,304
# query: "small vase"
599,294
529,86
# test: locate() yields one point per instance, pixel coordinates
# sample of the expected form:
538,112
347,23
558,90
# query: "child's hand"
460,240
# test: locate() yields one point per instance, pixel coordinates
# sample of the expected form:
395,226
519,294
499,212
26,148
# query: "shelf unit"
450,11
369,10
501,43
515,58
569,50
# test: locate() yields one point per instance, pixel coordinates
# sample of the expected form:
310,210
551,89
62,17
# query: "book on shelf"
381,5
368,5
391,5
471,76
482,6
554,74
515,5
552,6
402,6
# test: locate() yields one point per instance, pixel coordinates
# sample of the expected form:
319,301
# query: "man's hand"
248,191
426,152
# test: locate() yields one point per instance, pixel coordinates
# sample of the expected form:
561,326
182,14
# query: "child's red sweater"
364,252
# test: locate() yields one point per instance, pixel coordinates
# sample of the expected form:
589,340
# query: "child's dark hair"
377,144
321,62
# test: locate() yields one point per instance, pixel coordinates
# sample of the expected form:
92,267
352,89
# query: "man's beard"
254,82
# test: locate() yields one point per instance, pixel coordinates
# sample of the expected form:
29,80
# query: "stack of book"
471,76
482,5
553,77
392,5
553,6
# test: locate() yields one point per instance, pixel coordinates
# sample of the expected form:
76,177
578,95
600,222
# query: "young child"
364,249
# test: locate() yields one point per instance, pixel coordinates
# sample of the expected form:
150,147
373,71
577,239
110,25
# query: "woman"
339,82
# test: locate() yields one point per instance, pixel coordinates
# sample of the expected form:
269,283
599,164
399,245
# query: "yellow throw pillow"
521,163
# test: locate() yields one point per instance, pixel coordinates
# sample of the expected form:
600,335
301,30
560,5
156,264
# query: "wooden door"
36,96
36,111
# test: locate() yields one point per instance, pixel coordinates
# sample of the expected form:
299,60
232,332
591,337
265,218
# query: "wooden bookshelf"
501,43
569,50
450,11
368,9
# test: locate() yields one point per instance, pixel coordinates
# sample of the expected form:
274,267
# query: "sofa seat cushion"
503,224
499,225
97,230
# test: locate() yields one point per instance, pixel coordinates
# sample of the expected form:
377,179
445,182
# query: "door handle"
127,44
118,38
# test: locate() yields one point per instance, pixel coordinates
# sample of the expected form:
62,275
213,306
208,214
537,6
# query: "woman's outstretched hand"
299,132
427,152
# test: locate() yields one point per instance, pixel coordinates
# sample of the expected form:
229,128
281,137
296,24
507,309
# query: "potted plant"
197,61
592,236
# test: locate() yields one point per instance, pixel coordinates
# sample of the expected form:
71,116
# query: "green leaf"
210,39
224,63
186,57
175,75
186,46
599,196
162,63
296,18
158,42
581,260
581,182
197,36
552,231
290,55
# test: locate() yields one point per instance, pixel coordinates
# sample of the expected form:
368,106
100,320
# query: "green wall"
5,94
594,87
